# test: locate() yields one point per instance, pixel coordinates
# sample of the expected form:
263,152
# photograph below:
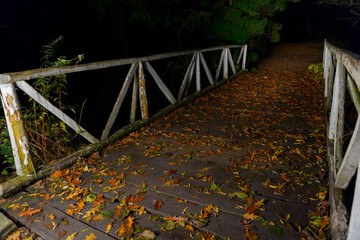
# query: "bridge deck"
244,160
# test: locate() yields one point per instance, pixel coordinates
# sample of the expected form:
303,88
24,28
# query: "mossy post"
18,135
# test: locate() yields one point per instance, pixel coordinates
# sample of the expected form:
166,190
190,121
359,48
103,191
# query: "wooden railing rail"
341,72
136,75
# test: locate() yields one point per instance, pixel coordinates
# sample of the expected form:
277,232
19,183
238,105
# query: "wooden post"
188,85
198,80
20,143
207,71
336,126
354,92
225,65
329,72
142,93
244,57
134,99
240,55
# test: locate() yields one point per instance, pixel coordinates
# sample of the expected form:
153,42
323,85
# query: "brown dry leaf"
173,182
133,199
250,216
170,172
61,234
251,236
71,236
158,204
90,237
98,217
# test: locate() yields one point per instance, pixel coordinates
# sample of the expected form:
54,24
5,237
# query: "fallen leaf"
61,234
71,236
147,234
158,204
108,228
90,237
250,216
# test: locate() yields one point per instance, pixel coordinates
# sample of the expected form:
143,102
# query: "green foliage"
5,148
48,134
318,69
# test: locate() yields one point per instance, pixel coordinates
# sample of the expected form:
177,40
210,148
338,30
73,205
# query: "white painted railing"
341,72
136,75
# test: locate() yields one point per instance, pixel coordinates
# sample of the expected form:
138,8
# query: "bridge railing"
135,75
341,73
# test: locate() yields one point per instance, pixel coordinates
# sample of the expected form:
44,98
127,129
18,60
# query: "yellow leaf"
71,236
90,237
108,228
52,216
250,216
121,230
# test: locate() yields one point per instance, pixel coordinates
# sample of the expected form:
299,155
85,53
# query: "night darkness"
27,25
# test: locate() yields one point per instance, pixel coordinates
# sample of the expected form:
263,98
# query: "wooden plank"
231,61
134,99
39,226
54,110
225,65
207,71
220,65
351,159
45,72
325,66
119,100
354,93
142,93
198,80
160,83
186,77
354,224
243,67
329,72
15,122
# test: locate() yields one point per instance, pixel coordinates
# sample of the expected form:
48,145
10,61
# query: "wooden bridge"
244,157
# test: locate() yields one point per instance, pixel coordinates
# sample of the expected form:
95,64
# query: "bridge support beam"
17,132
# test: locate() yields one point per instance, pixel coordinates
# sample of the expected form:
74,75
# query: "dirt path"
245,161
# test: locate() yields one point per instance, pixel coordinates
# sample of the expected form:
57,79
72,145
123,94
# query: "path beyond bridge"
246,161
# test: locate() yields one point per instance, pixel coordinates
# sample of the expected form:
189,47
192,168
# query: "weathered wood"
15,122
325,66
338,212
225,64
231,60
188,85
329,72
207,71
186,77
354,224
15,184
142,93
351,160
240,55
220,65
198,80
45,72
354,93
119,100
160,83
134,99
243,67
29,90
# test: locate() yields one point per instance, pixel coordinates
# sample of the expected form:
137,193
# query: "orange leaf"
29,212
189,227
158,204
98,217
112,182
80,206
57,174
285,178
250,216
121,230
130,222
162,179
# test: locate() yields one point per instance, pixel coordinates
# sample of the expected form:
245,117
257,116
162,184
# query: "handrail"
341,69
136,75
46,72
